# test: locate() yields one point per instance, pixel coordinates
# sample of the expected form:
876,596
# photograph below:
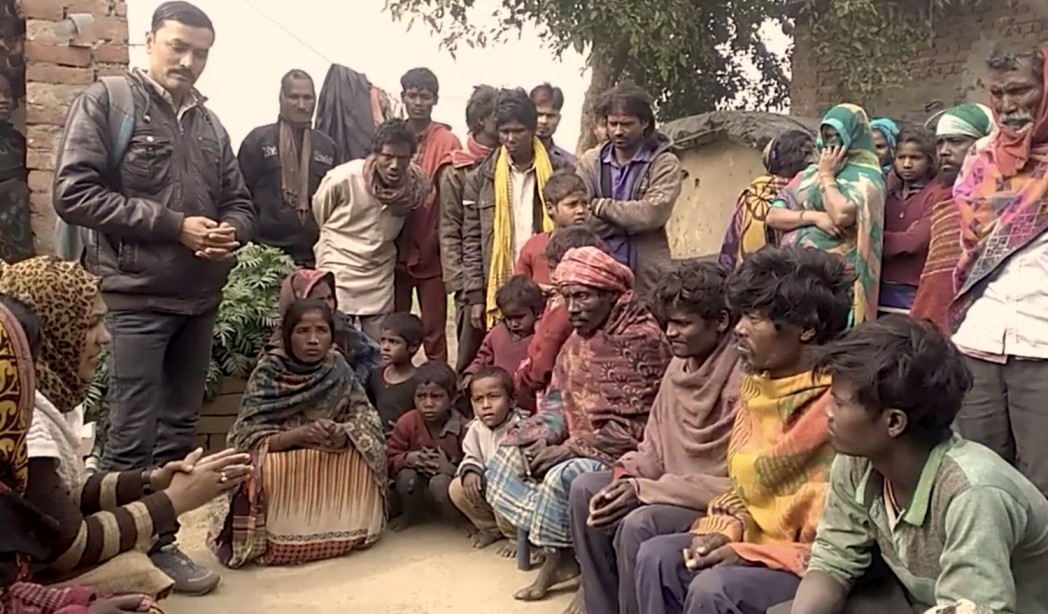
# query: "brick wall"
218,415
58,67
950,65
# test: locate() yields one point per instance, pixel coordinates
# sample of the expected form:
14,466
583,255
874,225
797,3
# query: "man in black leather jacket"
161,230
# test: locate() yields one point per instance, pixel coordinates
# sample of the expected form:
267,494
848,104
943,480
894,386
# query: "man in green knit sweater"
951,519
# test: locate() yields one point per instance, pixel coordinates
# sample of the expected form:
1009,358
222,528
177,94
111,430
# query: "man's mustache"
1022,115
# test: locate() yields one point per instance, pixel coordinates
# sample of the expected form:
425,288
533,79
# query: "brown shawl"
682,459
294,157
410,192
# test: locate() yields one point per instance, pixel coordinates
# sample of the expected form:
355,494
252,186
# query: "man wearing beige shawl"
663,487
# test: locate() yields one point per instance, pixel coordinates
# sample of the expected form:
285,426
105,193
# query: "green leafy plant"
246,319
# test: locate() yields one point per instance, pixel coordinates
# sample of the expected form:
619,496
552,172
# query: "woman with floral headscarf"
105,522
837,204
26,528
361,353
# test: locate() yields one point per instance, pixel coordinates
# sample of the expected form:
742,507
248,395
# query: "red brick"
50,115
45,94
115,53
51,73
95,7
62,55
42,136
42,9
40,180
40,160
44,31
111,28
111,70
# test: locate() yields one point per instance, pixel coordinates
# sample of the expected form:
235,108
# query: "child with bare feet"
391,388
425,448
491,393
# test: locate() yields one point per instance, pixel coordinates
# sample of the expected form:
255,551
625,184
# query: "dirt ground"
427,569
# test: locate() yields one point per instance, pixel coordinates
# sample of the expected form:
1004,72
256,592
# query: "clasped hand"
431,462
209,239
710,550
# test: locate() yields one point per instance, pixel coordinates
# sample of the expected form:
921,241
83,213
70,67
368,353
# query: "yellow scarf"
502,239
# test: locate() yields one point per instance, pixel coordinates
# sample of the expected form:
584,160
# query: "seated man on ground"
318,451
25,529
951,518
491,393
361,353
748,552
665,485
105,522
603,385
554,327
425,448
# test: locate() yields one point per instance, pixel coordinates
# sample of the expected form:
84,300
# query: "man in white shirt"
360,208
1000,313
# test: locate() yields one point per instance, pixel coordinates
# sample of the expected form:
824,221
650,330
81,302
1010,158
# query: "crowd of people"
838,414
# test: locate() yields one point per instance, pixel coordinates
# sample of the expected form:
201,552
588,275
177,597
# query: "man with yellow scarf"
502,204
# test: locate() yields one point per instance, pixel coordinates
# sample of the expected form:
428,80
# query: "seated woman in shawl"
664,486
106,522
26,528
360,352
784,157
747,553
319,486
603,385
912,192
837,204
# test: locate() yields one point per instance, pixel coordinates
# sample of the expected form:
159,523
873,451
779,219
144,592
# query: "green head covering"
971,120
853,125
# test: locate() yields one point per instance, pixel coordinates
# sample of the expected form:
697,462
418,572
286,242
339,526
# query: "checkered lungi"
541,508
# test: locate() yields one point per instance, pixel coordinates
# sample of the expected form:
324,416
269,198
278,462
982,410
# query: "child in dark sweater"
425,447
520,301
390,387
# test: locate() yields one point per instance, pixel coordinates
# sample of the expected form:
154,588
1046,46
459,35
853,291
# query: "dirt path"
428,569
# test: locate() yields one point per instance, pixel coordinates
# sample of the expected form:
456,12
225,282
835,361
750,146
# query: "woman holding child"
318,490
602,388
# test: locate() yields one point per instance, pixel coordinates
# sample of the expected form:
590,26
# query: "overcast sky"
242,79
251,53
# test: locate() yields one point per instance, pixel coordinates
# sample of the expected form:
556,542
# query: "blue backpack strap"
121,118
69,240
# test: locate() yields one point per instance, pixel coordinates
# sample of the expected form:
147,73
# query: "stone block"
53,73
62,55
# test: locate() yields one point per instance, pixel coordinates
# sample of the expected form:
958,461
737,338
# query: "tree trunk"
605,72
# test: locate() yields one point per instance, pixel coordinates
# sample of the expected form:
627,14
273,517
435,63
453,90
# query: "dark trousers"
1006,411
433,307
666,586
885,596
469,338
157,371
415,491
608,559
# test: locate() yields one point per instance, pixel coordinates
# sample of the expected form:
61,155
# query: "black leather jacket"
173,168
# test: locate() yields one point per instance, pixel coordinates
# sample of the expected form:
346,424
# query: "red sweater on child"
532,260
500,349
552,330
411,434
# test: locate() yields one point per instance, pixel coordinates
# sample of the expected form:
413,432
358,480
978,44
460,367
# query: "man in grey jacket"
161,230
